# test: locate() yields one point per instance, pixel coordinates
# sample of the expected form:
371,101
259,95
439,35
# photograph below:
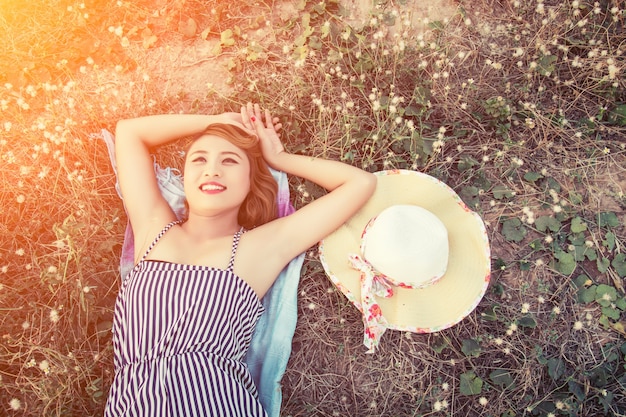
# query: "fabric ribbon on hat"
372,284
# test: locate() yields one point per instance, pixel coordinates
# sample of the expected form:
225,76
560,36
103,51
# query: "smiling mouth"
212,187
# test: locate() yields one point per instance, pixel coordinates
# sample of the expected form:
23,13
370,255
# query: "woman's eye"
199,159
230,161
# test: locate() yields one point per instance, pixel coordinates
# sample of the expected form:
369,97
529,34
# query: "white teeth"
206,187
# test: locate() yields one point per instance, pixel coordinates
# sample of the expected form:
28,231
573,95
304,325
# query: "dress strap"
233,252
159,236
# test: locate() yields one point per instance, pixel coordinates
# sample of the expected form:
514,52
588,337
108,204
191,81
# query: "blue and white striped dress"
180,335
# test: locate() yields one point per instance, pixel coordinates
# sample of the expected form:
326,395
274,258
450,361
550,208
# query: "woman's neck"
210,227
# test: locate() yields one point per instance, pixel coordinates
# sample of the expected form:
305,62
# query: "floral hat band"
404,246
413,258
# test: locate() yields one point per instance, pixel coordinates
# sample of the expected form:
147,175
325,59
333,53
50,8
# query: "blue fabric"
270,347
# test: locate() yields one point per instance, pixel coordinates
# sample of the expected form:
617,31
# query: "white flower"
44,365
15,404
54,316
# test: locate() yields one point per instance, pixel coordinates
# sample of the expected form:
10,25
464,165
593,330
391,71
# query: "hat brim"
452,297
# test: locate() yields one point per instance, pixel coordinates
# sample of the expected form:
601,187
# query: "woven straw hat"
414,258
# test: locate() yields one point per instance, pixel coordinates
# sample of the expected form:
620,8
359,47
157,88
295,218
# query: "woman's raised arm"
147,210
349,187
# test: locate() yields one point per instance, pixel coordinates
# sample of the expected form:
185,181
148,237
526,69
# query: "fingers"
252,118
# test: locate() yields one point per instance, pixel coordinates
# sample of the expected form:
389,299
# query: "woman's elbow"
369,183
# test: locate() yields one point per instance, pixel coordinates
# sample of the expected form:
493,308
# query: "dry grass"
519,106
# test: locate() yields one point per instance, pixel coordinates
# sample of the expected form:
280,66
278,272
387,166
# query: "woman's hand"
235,119
266,129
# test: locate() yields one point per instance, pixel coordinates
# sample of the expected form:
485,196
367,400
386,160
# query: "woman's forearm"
160,129
326,173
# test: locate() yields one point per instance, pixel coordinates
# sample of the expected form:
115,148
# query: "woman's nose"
212,169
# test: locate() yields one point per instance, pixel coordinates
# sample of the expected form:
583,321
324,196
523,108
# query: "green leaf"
412,111
607,402
540,356
525,265
491,313
619,263
587,295
621,303
576,389
532,176
565,263
581,280
605,295
513,230
577,238
500,192
575,198
617,116
612,313
471,348
583,251
544,223
226,38
469,195
578,225
609,241
527,321
466,162
556,368
502,378
602,265
546,64
471,384
536,245
608,218
439,344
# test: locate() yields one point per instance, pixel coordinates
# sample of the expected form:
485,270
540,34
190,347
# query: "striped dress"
180,335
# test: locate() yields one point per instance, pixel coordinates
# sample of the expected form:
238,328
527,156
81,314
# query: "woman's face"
217,176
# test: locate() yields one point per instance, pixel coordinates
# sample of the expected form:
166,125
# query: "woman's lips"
212,188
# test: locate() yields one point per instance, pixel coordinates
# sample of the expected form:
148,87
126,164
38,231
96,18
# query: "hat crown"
408,244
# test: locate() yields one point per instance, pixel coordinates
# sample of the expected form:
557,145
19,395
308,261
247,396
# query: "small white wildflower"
15,404
525,308
556,310
44,365
483,401
54,316
445,386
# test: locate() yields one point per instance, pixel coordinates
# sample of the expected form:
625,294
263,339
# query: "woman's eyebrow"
204,152
231,153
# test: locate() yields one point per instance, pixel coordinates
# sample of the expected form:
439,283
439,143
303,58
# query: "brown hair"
259,206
